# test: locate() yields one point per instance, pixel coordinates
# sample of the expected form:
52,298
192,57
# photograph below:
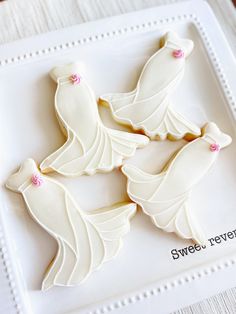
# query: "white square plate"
145,274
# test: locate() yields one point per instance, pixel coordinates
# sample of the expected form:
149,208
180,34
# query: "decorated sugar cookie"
165,196
90,146
85,240
148,106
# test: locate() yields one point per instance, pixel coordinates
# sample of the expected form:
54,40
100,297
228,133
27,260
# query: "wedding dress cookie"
90,146
148,106
165,196
85,239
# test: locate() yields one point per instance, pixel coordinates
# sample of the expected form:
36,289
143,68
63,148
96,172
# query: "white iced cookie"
165,196
90,146
85,240
147,107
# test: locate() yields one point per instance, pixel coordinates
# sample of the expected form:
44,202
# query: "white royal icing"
165,196
90,146
147,107
85,240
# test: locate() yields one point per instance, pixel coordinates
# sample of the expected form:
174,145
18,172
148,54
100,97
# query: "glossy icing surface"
147,107
90,146
85,239
165,196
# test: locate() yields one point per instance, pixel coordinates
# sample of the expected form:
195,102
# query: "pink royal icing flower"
215,147
36,180
178,53
75,78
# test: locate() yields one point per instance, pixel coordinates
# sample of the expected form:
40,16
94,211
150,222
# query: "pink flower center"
178,53
75,78
215,147
36,180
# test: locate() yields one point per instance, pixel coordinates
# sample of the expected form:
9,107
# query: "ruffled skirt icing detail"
95,237
158,120
108,150
169,214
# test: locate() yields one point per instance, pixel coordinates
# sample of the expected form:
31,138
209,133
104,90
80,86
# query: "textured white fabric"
25,18
222,303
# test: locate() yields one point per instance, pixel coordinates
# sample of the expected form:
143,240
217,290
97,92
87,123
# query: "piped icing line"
90,147
165,196
148,106
85,239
